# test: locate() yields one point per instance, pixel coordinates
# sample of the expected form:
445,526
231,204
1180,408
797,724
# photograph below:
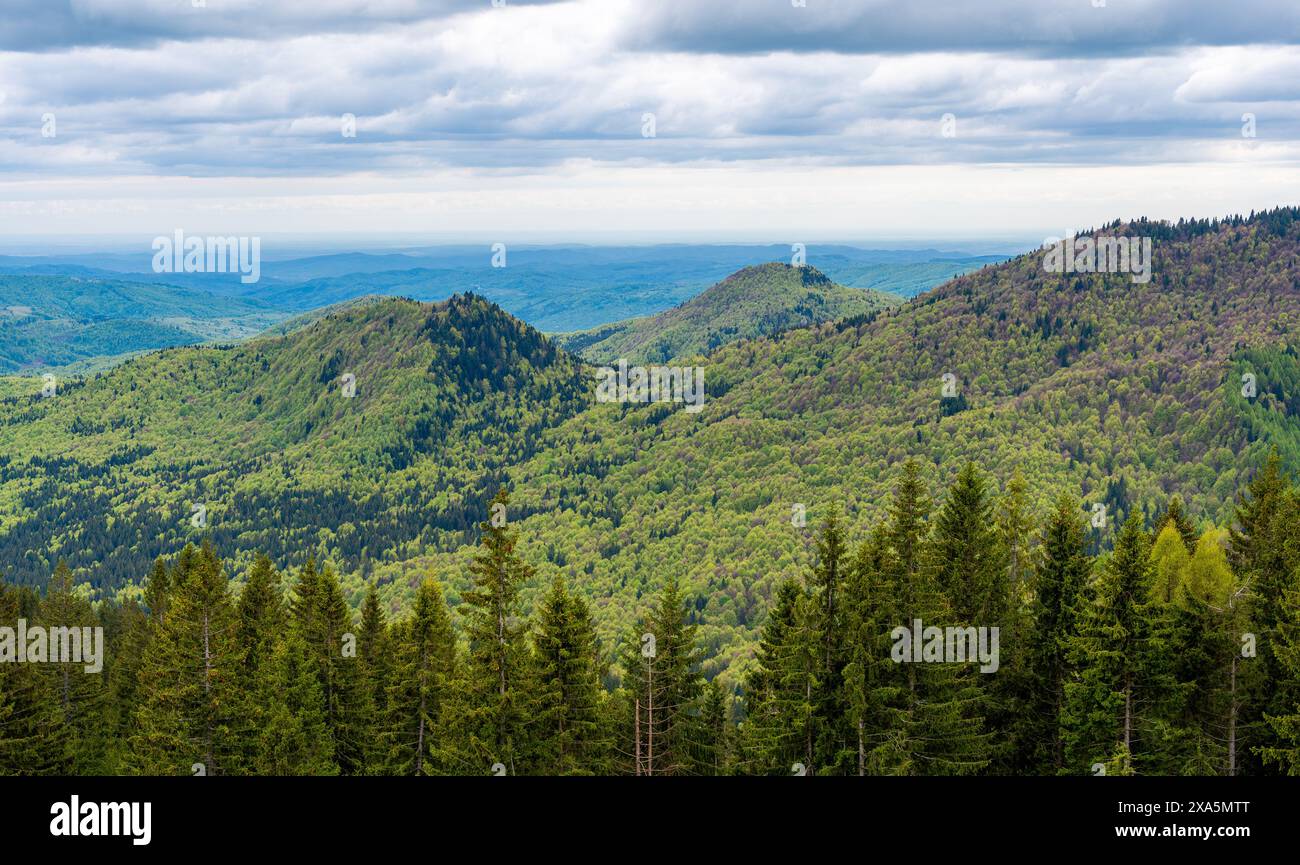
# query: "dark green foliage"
568,724
418,693
191,708
1059,578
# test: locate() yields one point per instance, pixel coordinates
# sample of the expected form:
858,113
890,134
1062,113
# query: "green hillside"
756,301
446,397
71,321
1119,393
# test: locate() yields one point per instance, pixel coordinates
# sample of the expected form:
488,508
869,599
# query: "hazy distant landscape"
84,309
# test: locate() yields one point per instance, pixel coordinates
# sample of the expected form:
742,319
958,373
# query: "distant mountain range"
552,288
57,321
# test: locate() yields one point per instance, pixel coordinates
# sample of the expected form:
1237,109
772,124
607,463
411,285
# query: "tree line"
1177,652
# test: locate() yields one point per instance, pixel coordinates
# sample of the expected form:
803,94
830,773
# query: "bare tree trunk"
207,688
650,720
1232,721
1128,724
809,745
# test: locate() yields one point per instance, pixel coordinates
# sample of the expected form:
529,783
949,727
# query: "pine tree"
191,707
424,667
664,684
375,656
497,688
778,729
323,621
569,716
935,727
1060,576
292,736
82,696
1122,660
1264,551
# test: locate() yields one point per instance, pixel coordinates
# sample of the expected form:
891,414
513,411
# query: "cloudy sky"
837,119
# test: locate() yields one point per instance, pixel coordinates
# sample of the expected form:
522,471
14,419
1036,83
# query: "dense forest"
1126,395
1176,652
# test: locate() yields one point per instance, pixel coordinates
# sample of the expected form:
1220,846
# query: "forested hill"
353,439
1117,392
757,301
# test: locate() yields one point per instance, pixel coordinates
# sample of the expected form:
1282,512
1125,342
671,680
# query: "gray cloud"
42,25
1042,27
540,85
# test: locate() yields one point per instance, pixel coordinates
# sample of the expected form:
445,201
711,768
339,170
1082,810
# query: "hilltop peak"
755,301
805,273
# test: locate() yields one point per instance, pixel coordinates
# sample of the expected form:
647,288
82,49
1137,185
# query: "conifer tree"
32,735
126,652
191,707
1122,662
569,715
827,626
715,727
780,693
964,553
1060,577
156,590
1263,550
262,617
664,685
375,656
936,727
1283,751
292,736
260,631
424,667
82,696
1016,531
1177,517
497,687
871,679
323,621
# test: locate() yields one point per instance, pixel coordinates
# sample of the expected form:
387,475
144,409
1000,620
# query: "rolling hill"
53,321
757,301
1118,392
